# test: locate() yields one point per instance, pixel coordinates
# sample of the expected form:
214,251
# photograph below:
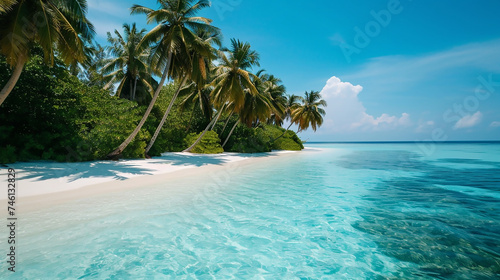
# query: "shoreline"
36,191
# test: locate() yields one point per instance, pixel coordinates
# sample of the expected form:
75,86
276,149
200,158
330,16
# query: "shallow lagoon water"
334,211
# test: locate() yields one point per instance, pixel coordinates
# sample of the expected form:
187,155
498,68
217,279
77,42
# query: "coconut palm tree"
232,77
129,66
273,86
310,112
257,107
173,34
260,106
197,68
6,5
292,102
92,74
232,80
57,26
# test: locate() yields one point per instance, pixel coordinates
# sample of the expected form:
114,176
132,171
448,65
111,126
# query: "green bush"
209,144
51,115
260,139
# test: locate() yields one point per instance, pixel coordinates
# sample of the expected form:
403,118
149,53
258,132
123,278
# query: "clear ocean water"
334,211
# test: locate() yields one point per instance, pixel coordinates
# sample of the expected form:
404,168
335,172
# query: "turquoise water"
334,211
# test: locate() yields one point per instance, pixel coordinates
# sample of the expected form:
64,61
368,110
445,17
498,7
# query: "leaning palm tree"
197,68
231,80
273,86
173,34
232,76
129,65
57,26
310,112
292,103
257,107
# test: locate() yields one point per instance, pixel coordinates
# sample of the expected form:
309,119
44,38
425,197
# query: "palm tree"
129,65
273,86
173,34
232,76
92,74
257,107
292,102
57,26
310,112
231,80
260,106
197,68
6,5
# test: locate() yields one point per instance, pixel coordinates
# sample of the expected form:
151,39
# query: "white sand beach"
40,184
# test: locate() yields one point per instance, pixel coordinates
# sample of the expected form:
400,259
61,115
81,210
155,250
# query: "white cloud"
469,120
424,126
345,112
423,72
495,124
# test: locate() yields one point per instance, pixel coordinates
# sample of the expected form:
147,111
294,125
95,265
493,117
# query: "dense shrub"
178,125
51,115
209,144
260,139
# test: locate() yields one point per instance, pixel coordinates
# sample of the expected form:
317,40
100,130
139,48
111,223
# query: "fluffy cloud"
345,112
495,124
469,120
424,126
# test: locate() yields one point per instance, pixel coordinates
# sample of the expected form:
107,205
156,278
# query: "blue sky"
389,70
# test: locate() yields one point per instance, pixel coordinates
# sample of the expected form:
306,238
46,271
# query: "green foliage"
260,139
178,125
209,144
51,115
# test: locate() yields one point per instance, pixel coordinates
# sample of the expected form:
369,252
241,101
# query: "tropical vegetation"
173,88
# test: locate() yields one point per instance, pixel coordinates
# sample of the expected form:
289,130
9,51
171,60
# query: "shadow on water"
447,232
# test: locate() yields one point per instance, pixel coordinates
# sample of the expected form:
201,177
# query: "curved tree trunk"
114,154
227,122
214,120
230,132
283,132
158,129
13,80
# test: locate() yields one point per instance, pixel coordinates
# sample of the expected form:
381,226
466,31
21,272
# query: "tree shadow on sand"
43,170
80,170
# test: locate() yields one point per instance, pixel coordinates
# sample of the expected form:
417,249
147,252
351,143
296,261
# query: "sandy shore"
42,184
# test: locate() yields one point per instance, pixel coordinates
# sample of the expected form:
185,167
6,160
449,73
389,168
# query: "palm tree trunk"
283,132
230,132
214,120
131,90
191,119
13,80
158,129
227,122
114,154
135,89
